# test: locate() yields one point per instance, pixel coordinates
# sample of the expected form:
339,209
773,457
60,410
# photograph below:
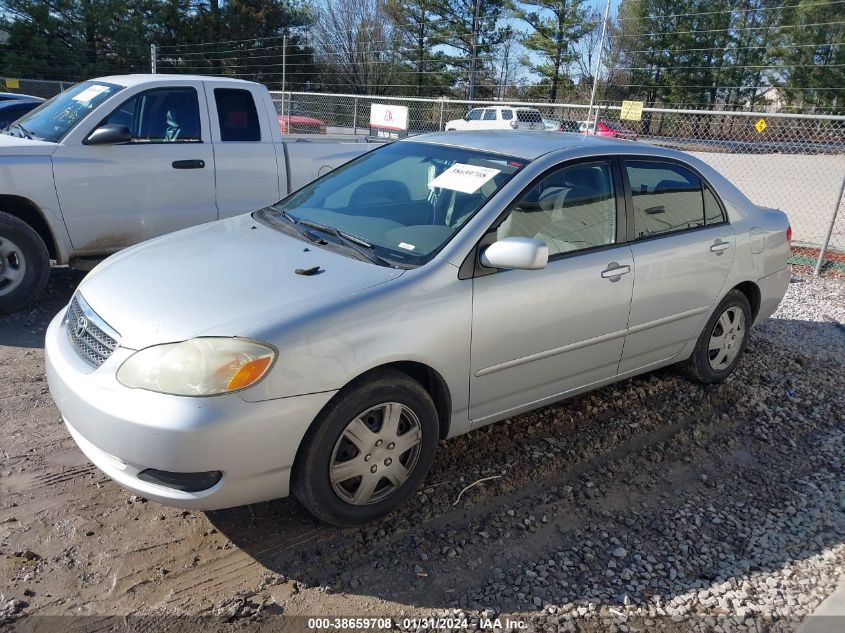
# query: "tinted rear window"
237,115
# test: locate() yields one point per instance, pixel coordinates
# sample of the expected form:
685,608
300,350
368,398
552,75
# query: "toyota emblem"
81,326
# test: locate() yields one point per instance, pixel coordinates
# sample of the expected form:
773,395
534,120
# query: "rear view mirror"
516,253
109,135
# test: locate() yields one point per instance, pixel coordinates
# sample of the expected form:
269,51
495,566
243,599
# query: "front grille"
91,342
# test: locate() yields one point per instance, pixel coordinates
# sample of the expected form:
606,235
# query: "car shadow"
26,328
743,493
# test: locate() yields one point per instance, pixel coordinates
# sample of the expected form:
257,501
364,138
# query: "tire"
343,438
715,357
24,263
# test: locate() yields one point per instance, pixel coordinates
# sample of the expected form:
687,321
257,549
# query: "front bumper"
125,431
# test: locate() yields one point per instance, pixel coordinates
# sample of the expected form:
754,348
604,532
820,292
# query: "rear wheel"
722,342
368,451
24,263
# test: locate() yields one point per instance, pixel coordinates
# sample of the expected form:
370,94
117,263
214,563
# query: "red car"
606,128
296,123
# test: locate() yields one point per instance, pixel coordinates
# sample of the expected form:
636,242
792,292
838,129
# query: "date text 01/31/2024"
503,624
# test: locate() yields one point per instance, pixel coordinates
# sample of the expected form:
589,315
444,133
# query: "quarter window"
237,115
507,114
161,115
667,198
571,209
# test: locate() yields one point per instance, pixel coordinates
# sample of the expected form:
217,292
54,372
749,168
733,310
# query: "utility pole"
153,58
474,50
598,64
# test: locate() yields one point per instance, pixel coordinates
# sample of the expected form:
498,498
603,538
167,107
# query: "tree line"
695,53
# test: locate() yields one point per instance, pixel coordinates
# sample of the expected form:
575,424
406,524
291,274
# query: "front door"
539,334
162,180
683,249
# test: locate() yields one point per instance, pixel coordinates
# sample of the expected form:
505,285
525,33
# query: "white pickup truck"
118,160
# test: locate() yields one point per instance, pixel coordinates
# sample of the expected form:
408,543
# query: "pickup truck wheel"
368,451
24,263
722,341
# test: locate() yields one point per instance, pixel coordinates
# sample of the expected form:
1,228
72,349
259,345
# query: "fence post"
442,104
826,242
598,63
284,69
153,60
355,116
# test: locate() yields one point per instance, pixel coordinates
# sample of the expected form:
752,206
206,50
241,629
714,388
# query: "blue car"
14,106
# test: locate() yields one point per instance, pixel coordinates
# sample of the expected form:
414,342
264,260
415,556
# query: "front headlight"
198,367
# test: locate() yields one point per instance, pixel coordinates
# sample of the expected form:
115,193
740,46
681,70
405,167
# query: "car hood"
298,118
218,279
15,146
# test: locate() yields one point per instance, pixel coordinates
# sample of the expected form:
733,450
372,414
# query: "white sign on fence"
388,121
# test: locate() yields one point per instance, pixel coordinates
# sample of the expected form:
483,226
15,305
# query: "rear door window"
528,116
237,115
666,198
507,114
489,114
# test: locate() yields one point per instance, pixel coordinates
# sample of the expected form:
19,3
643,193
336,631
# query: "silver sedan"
325,345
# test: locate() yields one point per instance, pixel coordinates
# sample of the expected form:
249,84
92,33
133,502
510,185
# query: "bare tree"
355,44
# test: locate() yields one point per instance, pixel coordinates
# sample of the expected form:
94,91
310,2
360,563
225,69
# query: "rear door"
683,248
162,180
245,160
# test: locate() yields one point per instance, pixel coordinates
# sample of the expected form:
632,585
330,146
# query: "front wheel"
368,451
722,342
24,263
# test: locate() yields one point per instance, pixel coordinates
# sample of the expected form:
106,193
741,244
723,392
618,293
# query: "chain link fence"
44,88
791,162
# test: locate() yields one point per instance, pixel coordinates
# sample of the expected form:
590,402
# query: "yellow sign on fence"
12,84
632,110
760,126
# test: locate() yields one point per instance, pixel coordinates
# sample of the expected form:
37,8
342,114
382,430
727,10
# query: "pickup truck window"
160,115
52,120
489,115
237,115
404,201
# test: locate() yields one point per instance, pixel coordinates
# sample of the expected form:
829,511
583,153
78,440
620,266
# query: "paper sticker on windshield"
89,93
464,178
406,246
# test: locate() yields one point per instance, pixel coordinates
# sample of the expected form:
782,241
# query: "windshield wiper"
355,243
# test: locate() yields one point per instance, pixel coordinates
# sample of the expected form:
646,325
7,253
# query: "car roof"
520,144
16,103
127,81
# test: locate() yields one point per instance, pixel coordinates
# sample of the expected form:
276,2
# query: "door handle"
720,247
188,164
614,271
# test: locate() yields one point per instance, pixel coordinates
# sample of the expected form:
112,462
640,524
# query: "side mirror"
517,253
109,135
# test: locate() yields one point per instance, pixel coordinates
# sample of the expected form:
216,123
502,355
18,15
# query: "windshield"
54,118
404,201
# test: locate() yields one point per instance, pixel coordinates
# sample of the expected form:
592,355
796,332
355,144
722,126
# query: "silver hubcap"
375,454
12,266
726,338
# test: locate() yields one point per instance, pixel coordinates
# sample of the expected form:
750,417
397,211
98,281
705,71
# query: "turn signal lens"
789,234
206,366
249,373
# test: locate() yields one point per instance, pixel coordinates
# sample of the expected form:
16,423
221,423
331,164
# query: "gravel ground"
653,504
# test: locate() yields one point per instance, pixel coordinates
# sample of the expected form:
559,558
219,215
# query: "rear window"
237,115
528,116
